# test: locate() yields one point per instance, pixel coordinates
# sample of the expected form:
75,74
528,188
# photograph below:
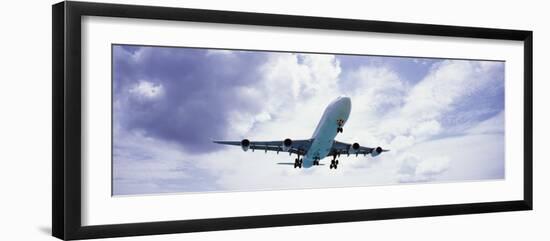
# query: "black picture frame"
66,127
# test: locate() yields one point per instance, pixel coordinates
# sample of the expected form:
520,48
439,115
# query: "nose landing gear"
340,124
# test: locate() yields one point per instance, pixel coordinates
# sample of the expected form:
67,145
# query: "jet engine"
354,148
376,151
245,144
287,143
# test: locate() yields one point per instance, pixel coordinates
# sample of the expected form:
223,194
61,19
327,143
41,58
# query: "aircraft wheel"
336,163
335,166
330,166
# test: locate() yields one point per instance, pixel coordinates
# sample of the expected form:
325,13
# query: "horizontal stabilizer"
292,163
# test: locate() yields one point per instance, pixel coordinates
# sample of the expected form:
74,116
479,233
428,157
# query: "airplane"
320,145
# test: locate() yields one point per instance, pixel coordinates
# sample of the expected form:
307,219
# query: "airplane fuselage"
335,116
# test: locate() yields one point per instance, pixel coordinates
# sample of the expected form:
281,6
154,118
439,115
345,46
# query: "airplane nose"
344,100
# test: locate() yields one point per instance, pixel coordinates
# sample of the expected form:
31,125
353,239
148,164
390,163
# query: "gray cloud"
185,94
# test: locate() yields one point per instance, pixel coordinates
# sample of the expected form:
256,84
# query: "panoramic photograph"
194,120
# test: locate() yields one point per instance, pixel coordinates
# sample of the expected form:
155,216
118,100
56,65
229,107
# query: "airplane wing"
339,148
299,147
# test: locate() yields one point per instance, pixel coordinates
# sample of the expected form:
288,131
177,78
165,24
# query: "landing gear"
298,162
334,162
316,163
340,124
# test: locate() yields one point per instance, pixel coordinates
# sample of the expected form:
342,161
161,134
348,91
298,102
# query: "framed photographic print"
169,120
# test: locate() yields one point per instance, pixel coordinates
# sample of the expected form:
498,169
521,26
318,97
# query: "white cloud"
469,157
375,90
426,128
448,83
148,169
402,142
294,89
417,169
489,126
147,90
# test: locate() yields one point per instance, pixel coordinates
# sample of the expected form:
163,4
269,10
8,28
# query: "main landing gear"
298,162
334,162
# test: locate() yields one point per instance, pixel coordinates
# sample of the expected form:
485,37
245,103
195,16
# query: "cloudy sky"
442,119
